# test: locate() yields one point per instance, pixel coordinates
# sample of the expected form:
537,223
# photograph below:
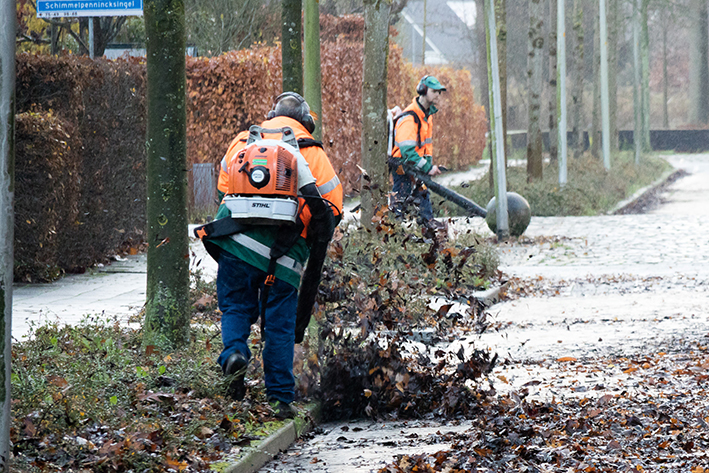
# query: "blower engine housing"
263,179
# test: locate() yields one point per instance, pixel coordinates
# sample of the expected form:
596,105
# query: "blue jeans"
408,193
238,288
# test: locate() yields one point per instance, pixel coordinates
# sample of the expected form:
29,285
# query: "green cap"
432,83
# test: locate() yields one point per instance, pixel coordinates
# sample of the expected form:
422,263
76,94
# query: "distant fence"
203,182
518,139
685,141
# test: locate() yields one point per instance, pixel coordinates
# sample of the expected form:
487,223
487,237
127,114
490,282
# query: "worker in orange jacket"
413,146
244,260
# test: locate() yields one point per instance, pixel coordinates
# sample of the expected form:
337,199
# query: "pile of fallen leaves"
645,414
375,300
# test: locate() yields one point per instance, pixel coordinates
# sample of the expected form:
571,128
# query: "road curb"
277,442
639,195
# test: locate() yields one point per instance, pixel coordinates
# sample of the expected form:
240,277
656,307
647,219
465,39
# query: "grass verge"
590,190
89,398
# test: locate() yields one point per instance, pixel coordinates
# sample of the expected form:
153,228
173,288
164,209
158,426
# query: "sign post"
91,37
89,8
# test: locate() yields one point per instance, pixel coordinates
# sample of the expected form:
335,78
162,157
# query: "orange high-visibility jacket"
410,132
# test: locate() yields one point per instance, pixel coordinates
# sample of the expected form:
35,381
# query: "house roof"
449,31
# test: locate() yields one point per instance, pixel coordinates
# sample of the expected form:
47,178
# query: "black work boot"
236,366
281,410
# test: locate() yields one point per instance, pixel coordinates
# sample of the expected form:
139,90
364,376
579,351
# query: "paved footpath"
617,285
114,290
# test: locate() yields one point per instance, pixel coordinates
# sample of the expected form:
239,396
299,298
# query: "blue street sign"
73,8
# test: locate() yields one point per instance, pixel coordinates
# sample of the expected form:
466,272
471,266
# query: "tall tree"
595,135
106,28
665,75
481,65
423,34
54,30
291,47
577,115
497,152
699,64
535,62
312,83
561,89
374,108
637,75
613,26
501,25
7,159
553,115
167,306
218,26
645,70
605,108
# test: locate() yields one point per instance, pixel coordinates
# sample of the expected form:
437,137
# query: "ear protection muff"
304,116
422,88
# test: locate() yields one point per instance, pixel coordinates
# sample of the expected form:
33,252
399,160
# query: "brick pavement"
628,285
624,282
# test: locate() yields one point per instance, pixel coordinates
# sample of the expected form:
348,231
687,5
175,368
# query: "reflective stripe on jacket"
406,136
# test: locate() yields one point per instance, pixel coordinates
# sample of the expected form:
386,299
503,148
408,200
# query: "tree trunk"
645,69
423,35
665,76
637,75
105,30
605,107
167,311
374,108
595,134
291,48
481,63
480,30
501,24
312,83
54,39
84,35
553,114
577,118
699,65
561,90
535,62
613,23
7,160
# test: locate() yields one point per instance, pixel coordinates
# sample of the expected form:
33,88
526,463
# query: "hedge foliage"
47,193
80,163
233,91
81,126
